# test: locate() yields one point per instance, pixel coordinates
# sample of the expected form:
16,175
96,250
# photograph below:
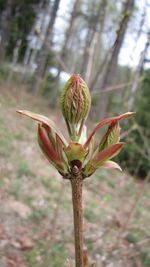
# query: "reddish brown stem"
76,183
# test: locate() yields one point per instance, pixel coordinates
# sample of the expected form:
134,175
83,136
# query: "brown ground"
36,214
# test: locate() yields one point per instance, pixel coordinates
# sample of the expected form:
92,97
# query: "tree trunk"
62,56
87,51
41,62
5,27
90,62
68,35
91,41
30,53
138,73
96,43
111,68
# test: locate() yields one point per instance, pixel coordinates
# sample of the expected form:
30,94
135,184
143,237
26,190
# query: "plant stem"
76,183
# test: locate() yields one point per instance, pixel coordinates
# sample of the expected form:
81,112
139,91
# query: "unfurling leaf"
105,122
112,136
101,157
85,258
109,164
52,150
44,120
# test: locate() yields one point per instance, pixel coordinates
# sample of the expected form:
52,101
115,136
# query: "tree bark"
138,72
90,62
62,56
31,53
96,44
76,184
41,62
87,50
111,68
91,40
67,36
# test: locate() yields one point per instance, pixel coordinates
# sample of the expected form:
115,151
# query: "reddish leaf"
46,144
59,145
52,154
105,122
107,153
44,120
100,158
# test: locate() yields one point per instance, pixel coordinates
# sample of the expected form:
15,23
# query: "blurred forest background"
42,42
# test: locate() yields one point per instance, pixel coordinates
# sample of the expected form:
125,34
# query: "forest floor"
36,224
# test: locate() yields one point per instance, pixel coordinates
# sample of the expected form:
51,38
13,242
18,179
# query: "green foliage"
47,86
6,140
136,156
38,215
51,60
23,15
4,71
94,100
2,5
143,251
90,212
16,187
107,197
23,169
36,256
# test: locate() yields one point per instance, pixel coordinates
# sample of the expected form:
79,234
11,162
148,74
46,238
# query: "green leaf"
75,151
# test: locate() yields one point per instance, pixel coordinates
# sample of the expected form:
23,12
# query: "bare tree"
62,57
37,32
96,44
111,68
42,57
138,73
68,34
95,29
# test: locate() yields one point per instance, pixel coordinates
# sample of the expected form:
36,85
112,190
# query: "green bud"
75,151
75,100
